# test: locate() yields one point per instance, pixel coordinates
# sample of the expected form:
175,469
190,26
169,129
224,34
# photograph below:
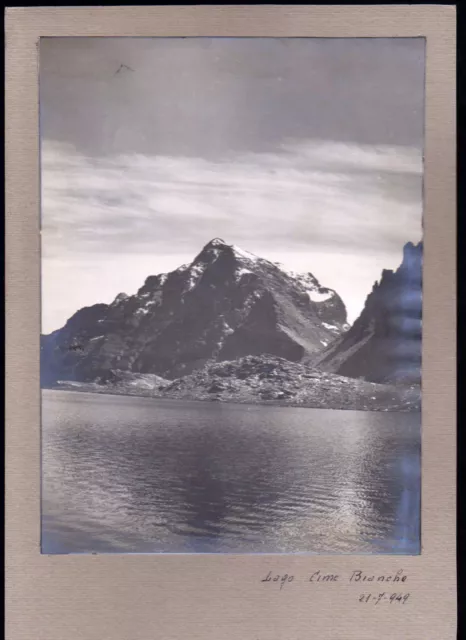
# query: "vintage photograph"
231,294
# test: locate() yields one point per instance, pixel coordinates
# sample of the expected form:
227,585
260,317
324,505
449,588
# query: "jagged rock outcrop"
226,304
384,343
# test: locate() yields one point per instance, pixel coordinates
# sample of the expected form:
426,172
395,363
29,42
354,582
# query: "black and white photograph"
231,295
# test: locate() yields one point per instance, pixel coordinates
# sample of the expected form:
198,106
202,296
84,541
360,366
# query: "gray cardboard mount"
204,597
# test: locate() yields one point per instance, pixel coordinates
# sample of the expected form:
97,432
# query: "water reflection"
195,477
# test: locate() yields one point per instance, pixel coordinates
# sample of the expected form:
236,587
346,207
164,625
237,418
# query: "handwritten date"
378,598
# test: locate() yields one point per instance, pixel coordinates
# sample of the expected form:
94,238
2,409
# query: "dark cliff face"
384,344
226,304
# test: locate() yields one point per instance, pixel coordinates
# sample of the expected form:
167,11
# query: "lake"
125,474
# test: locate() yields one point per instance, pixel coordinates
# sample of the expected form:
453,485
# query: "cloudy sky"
304,151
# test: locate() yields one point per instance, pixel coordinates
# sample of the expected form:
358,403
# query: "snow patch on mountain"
244,254
226,331
251,299
241,272
226,327
311,286
331,327
319,296
213,251
217,242
196,271
142,311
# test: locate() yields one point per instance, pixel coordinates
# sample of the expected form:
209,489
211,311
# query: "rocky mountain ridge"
226,304
384,343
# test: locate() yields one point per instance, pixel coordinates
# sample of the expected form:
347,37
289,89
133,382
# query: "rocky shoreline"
260,380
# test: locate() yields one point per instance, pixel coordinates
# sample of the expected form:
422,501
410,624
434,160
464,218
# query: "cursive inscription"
318,576
360,576
277,578
357,577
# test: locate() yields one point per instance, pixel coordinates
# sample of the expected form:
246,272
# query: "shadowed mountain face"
384,343
226,304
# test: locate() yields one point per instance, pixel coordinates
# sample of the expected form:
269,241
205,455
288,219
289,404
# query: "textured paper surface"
175,597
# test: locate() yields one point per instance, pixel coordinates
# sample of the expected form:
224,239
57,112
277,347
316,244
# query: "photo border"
221,597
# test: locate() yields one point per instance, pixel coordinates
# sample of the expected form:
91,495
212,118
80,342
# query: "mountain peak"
120,297
217,246
210,252
411,250
225,304
216,242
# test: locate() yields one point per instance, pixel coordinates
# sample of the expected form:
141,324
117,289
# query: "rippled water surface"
123,474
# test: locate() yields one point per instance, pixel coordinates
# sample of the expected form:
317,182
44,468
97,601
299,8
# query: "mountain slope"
227,303
384,343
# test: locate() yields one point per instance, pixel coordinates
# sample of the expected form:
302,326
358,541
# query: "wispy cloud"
319,193
308,203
